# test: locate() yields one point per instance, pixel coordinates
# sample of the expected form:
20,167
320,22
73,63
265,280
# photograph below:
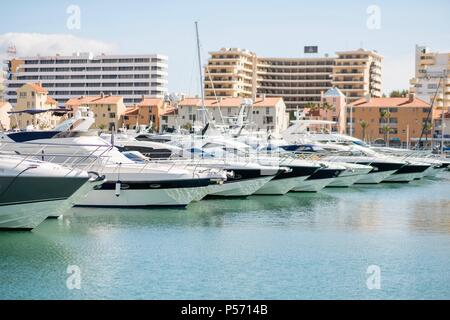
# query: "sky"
276,28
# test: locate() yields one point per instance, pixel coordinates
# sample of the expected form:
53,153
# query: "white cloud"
50,44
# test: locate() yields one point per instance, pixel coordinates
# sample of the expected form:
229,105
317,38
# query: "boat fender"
118,187
95,176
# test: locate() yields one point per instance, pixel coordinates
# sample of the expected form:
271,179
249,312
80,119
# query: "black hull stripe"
156,185
297,172
16,229
24,189
412,169
247,174
382,166
150,206
325,174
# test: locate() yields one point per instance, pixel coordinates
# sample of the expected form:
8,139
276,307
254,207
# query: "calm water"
298,246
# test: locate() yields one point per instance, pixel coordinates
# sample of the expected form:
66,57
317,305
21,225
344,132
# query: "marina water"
297,246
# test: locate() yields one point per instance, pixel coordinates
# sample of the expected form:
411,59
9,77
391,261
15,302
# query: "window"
112,115
268,119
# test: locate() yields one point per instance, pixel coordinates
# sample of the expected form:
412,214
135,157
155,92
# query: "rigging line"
429,111
215,94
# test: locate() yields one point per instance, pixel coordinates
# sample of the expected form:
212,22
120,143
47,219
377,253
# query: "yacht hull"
238,188
345,181
141,198
375,177
408,173
27,216
312,185
280,186
403,177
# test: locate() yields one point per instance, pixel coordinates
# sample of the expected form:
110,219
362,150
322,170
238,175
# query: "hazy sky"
269,28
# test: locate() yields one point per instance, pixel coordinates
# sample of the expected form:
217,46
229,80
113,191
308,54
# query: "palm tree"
386,129
364,124
427,128
312,106
385,116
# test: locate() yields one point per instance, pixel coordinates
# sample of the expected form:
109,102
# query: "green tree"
427,126
187,126
386,129
312,106
399,94
364,124
326,106
385,116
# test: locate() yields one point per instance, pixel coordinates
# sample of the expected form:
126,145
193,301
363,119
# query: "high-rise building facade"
84,74
432,76
357,73
234,72
298,80
230,73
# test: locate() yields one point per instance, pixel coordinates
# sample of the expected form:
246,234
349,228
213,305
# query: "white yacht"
31,190
302,175
129,184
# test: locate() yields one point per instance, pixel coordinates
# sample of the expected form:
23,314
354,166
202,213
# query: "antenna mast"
200,73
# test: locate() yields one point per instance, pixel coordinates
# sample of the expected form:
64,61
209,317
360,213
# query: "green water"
297,246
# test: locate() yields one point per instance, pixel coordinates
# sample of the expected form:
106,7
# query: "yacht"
302,175
128,184
31,190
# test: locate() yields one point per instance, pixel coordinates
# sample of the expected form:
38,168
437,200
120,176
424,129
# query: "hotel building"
84,74
357,73
234,72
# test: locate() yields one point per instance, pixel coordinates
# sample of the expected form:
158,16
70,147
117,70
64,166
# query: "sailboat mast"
200,73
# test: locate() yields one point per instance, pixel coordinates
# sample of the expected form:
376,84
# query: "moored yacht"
31,190
128,184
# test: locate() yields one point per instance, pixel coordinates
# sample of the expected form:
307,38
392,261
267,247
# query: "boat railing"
95,154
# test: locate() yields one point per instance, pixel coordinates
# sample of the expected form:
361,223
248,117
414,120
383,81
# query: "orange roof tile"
3,103
131,111
229,102
267,102
37,87
390,102
149,102
169,112
190,102
50,100
75,102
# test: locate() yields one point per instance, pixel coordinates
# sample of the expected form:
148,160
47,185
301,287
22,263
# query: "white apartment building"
432,76
86,74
